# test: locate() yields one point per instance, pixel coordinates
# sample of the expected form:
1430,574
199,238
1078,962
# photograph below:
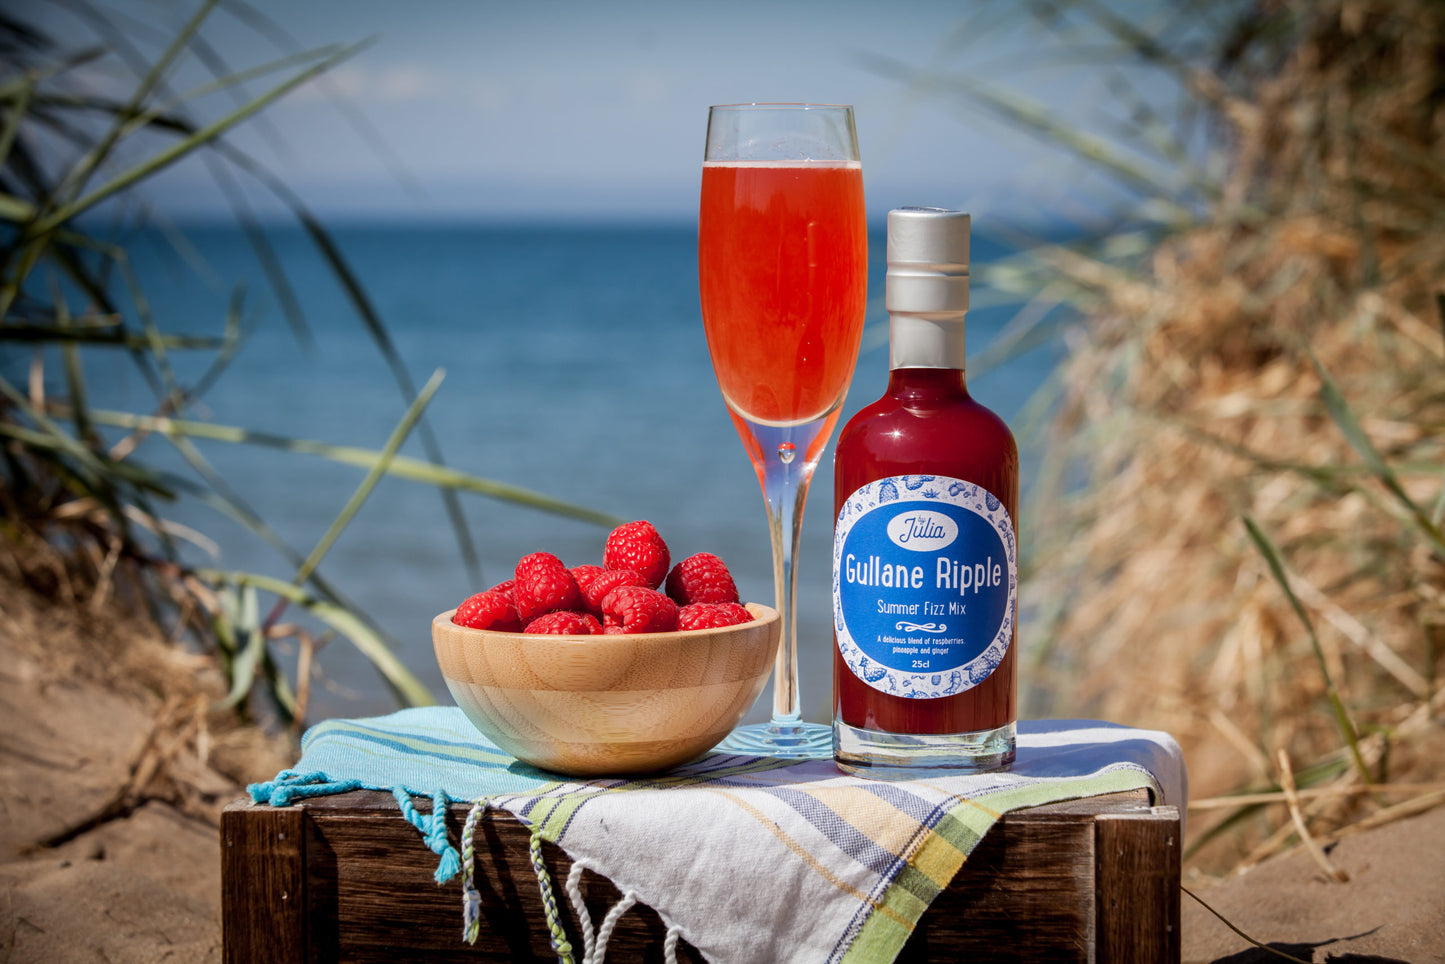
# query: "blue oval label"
922,530
925,580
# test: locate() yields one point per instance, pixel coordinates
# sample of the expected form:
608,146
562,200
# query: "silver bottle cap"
926,289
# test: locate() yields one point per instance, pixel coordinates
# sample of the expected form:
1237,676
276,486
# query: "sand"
113,773
1392,908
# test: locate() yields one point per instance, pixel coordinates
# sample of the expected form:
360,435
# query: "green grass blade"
265,252
1149,48
1310,776
180,149
1354,433
11,89
1152,132
103,336
250,643
278,686
16,210
373,476
74,182
1342,719
1437,514
371,319
74,373
220,497
19,104
214,62
154,343
416,470
95,287
226,351
1029,328
94,477
226,82
222,625
398,678
379,334
1033,117
350,112
96,469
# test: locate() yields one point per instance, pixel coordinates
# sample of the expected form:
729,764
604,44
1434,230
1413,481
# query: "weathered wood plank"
372,879
1025,894
1028,891
1137,869
263,885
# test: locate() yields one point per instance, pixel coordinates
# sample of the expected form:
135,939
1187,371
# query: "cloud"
346,81
398,84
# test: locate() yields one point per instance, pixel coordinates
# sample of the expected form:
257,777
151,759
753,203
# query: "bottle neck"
926,340
927,387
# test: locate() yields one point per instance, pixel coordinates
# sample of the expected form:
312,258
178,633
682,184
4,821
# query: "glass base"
790,741
888,755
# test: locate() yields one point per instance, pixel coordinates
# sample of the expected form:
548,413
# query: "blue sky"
597,110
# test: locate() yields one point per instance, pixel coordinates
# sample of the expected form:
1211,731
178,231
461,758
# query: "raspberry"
608,580
505,588
638,547
584,576
488,610
564,623
701,578
712,615
543,584
637,609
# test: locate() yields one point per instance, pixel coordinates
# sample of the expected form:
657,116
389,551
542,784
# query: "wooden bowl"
607,705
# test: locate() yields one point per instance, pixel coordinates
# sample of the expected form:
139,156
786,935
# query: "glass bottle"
925,553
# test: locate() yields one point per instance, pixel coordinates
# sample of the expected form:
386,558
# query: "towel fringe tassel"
292,785
471,898
579,907
609,923
433,827
558,933
594,945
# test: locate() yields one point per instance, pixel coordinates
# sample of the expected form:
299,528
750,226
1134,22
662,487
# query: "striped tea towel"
729,849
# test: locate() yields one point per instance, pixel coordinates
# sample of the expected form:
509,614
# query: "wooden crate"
345,878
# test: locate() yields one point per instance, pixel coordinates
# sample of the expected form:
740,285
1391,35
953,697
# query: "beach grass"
82,513
1235,535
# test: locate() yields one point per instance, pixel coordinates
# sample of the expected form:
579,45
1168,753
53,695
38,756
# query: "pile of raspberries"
620,596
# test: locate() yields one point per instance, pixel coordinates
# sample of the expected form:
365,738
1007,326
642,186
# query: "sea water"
576,367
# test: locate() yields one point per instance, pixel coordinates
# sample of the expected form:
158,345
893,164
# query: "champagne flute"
782,272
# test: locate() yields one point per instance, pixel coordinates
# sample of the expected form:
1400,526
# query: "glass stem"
785,456
785,486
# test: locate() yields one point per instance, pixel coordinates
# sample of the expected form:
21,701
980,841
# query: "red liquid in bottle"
927,424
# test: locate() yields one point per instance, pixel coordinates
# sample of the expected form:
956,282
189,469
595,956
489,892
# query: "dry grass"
1199,393
107,667
82,502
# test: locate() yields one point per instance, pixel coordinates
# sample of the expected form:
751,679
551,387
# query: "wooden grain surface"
1137,866
1038,871
593,705
264,915
1079,881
